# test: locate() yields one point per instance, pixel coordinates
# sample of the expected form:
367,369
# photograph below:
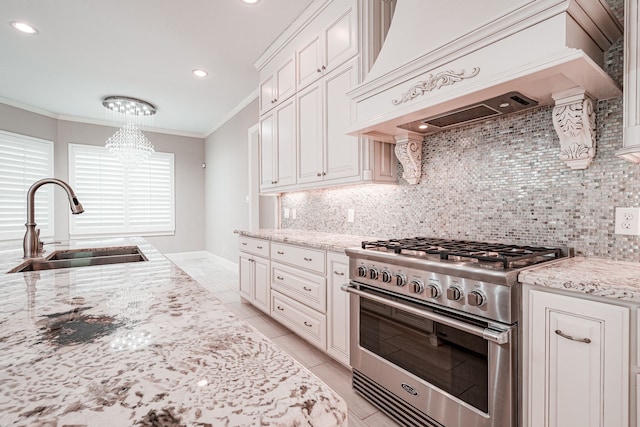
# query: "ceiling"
86,50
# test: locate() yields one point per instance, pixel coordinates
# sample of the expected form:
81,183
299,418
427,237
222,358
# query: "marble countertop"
312,239
593,276
141,344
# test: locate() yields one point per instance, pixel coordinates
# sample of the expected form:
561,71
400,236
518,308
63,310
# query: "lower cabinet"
578,370
337,307
300,288
254,281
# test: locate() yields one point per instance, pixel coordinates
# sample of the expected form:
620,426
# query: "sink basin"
82,258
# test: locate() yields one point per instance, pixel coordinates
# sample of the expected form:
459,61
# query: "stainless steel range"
434,328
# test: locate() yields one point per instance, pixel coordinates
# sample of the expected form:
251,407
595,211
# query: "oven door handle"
498,337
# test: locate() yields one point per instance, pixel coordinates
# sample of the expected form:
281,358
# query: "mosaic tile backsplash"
500,180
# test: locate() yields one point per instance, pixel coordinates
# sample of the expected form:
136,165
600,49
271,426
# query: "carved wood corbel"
575,123
409,152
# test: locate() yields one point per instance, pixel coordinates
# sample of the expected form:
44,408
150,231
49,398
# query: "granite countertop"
312,239
593,276
141,344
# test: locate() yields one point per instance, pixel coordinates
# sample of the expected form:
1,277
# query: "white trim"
253,190
233,112
20,105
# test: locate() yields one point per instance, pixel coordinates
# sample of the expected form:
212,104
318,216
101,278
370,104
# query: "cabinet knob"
259,247
324,173
324,68
319,70
275,100
319,174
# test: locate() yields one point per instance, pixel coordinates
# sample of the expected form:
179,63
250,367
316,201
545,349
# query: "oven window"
450,359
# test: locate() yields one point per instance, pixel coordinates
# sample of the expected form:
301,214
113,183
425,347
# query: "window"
23,161
139,201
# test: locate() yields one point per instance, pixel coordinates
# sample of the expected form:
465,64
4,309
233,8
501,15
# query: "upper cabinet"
305,112
336,44
278,86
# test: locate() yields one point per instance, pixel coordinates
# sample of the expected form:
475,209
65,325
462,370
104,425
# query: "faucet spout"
31,244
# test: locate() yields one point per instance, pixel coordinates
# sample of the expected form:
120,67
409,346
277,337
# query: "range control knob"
401,280
433,290
386,276
362,271
417,287
373,273
454,293
476,298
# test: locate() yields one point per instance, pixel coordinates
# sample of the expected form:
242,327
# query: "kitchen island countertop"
592,276
141,344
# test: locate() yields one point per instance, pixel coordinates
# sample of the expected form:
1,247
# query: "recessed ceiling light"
200,73
504,105
423,126
25,28
250,1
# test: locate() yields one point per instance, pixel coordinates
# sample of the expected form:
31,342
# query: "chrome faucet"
32,244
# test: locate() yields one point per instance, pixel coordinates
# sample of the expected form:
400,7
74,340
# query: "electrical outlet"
286,213
293,213
627,221
350,215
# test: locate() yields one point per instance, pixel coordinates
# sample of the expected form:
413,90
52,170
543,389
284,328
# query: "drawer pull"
244,243
280,308
280,253
338,273
569,337
307,324
307,259
259,247
279,277
306,289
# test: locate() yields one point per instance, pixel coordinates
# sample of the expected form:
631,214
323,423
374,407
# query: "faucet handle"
40,243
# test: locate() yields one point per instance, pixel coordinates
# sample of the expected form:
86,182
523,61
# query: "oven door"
455,370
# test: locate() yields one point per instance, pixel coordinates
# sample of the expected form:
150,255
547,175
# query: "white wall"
189,175
226,183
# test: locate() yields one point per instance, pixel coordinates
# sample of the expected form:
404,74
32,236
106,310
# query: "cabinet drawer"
254,246
306,288
309,259
307,323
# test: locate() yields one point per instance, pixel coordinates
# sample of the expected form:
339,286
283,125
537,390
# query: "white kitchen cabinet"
578,369
278,147
338,307
325,151
324,52
278,86
255,285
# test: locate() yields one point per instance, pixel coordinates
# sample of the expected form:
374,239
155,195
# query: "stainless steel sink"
82,258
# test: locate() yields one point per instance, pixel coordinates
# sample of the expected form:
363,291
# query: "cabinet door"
246,276
342,151
267,94
309,62
340,40
579,372
310,137
262,285
267,148
285,141
338,308
285,80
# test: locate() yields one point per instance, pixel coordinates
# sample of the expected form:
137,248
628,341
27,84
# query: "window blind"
116,200
23,161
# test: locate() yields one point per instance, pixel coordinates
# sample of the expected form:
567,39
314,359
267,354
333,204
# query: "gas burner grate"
507,255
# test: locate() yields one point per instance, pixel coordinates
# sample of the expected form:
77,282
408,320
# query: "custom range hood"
446,63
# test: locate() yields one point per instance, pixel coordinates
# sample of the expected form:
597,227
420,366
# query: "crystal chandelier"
129,144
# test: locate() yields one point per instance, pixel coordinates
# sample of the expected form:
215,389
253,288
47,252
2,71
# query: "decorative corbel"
575,124
409,152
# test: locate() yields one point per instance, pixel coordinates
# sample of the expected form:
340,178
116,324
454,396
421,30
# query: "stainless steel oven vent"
507,103
390,404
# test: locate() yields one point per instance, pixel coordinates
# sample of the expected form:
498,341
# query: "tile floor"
222,281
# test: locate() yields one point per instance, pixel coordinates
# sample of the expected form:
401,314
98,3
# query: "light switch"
350,215
286,213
